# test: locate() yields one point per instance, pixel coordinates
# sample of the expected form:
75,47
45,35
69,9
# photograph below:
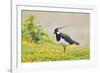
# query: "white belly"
62,41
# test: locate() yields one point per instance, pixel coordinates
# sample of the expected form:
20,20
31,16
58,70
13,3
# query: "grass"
38,52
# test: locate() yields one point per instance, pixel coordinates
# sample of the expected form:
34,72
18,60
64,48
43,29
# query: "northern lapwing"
64,39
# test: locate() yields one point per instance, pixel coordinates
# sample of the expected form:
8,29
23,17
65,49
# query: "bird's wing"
66,38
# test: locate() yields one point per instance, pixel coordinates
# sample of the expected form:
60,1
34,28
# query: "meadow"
45,51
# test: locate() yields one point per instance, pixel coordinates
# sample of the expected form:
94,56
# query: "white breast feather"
62,41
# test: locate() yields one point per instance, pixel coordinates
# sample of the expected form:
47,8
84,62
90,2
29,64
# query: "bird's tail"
75,42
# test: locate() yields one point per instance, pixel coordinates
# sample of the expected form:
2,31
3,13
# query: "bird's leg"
64,48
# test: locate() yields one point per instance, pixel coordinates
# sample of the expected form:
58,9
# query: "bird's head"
57,30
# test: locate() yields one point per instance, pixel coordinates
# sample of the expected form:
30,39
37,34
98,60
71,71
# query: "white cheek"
58,32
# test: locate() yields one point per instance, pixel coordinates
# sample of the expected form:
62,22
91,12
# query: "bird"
64,39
